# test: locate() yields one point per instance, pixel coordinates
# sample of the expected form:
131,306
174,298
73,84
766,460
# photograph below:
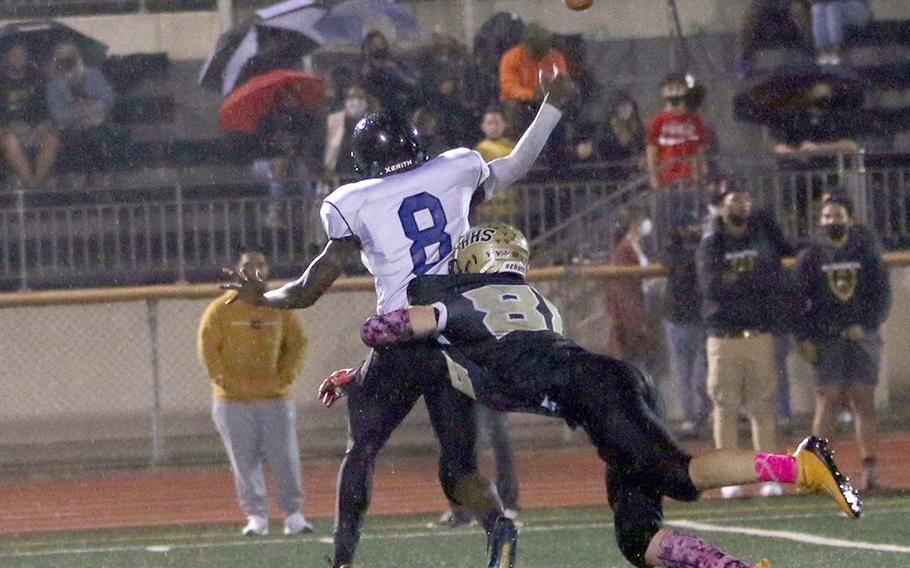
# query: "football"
578,5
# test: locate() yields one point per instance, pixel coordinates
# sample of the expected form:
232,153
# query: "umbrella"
40,36
294,20
349,20
242,109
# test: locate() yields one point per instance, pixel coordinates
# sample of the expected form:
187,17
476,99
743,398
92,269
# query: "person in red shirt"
676,139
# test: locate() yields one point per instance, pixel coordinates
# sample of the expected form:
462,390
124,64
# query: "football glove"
334,387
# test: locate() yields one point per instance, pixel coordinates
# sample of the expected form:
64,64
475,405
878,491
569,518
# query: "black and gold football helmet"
491,248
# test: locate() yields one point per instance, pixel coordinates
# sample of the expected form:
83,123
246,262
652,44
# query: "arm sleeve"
507,170
293,349
210,341
334,222
60,103
880,290
98,88
652,132
802,327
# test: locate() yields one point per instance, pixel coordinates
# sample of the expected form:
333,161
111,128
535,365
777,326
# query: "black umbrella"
40,36
292,23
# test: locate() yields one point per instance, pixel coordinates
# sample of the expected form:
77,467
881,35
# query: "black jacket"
742,282
682,302
842,286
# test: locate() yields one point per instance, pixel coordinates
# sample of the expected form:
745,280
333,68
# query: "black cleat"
503,542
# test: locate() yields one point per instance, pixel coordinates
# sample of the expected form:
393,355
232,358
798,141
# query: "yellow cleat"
818,472
763,564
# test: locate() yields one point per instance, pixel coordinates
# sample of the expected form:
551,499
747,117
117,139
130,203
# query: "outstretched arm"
507,170
400,326
303,292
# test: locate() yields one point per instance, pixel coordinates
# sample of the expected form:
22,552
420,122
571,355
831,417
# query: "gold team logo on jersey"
739,262
842,279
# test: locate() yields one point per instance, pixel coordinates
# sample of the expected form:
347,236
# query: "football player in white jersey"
403,219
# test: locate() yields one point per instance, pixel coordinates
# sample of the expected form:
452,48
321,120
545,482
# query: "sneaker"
731,492
510,513
296,524
771,489
503,544
255,526
453,518
817,472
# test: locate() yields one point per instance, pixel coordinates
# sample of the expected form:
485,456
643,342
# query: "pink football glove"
334,386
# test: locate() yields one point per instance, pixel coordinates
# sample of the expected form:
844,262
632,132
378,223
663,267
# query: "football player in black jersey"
504,346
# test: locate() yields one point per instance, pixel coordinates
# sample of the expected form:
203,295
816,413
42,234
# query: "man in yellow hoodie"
252,354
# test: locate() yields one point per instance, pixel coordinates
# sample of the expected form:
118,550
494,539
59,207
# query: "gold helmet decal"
490,248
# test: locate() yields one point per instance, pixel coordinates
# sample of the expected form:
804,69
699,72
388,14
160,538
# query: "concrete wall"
84,374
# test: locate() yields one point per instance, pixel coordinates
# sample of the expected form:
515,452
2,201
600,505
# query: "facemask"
355,106
836,231
737,219
380,53
646,227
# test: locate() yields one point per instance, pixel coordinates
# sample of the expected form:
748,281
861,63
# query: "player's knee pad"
472,491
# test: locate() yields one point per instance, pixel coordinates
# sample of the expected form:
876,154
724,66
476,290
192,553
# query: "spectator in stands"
830,18
252,355
339,127
291,136
847,293
443,71
339,79
744,292
620,137
275,50
774,23
24,120
386,78
495,144
683,328
426,120
824,122
631,336
80,100
676,139
519,75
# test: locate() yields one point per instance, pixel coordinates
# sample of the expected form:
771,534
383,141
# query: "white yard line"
790,535
162,547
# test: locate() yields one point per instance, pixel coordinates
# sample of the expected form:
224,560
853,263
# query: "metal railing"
183,233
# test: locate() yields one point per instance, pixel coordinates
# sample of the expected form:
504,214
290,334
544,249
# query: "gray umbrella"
294,19
40,36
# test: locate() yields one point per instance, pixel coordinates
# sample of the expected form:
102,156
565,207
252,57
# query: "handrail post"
157,436
23,261
181,253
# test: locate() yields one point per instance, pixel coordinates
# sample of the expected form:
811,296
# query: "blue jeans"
781,350
686,348
830,19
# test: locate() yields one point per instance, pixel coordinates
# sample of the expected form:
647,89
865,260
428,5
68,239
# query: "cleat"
818,472
763,564
503,542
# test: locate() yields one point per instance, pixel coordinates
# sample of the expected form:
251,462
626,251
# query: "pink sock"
776,467
680,550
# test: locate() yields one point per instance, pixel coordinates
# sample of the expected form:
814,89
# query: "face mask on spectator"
646,227
836,231
355,106
379,53
737,219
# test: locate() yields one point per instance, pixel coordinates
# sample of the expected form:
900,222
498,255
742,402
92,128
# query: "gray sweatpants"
257,432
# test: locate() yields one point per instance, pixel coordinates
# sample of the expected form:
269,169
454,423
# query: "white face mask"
355,106
646,227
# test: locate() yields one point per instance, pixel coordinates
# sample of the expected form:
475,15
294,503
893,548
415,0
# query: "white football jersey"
407,223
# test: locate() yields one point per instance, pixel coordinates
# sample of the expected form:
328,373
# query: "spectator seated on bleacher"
519,75
773,23
618,137
830,20
387,79
26,126
80,100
